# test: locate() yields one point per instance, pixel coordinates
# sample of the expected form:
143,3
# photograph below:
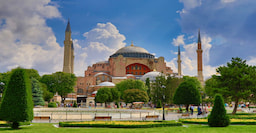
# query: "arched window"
137,69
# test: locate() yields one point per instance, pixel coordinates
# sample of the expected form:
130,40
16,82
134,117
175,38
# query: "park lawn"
191,128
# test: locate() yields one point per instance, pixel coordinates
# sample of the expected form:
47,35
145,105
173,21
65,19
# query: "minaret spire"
199,38
179,62
68,29
199,60
68,64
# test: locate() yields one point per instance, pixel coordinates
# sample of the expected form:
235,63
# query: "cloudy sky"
32,31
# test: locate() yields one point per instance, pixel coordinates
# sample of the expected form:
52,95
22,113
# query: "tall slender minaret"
68,65
199,60
179,62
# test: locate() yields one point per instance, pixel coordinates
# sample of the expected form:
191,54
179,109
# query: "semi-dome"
106,84
133,51
151,75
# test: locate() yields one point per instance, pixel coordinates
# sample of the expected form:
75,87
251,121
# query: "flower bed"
232,121
120,124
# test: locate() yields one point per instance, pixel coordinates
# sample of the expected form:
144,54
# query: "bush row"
232,121
121,124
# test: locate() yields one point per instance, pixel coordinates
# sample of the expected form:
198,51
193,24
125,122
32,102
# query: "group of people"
199,110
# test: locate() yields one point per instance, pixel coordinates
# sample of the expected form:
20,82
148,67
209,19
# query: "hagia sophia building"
129,62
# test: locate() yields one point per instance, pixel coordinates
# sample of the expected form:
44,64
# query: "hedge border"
156,124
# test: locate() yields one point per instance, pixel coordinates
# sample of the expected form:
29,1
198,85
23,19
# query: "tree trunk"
187,107
15,125
235,108
163,113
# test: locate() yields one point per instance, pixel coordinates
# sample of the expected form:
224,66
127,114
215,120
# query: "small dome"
101,73
106,84
151,75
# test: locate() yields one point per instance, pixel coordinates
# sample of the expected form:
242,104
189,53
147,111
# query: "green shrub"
52,105
17,104
218,116
75,104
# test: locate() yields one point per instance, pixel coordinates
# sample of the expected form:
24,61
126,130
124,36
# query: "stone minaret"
68,65
179,62
199,60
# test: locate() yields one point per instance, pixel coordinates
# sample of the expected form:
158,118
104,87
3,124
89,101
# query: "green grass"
189,128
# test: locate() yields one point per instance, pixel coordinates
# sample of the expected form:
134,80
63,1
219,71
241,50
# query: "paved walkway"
83,114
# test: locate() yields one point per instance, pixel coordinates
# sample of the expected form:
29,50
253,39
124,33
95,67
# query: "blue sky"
32,32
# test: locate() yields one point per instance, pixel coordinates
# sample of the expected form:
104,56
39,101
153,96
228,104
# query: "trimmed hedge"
232,121
121,124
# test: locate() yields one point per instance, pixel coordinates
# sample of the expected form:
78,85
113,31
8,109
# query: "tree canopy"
237,80
105,95
187,93
60,82
130,84
135,95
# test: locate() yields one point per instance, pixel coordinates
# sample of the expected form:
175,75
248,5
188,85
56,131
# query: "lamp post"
163,88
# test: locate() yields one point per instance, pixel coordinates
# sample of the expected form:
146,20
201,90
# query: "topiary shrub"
17,104
75,104
218,116
52,105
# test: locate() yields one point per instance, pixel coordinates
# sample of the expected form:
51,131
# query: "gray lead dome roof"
133,51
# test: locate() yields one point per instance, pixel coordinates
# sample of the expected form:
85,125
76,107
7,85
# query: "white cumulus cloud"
99,43
25,38
189,57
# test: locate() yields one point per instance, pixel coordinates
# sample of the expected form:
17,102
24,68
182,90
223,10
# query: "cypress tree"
17,104
37,92
218,116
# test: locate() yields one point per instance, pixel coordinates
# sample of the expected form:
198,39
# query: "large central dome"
133,51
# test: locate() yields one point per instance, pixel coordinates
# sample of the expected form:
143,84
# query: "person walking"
192,109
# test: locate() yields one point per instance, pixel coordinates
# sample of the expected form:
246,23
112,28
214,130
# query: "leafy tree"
32,73
187,93
104,95
195,81
37,92
4,78
218,116
17,104
160,92
130,84
211,86
60,82
236,80
47,95
135,95
115,94
172,83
